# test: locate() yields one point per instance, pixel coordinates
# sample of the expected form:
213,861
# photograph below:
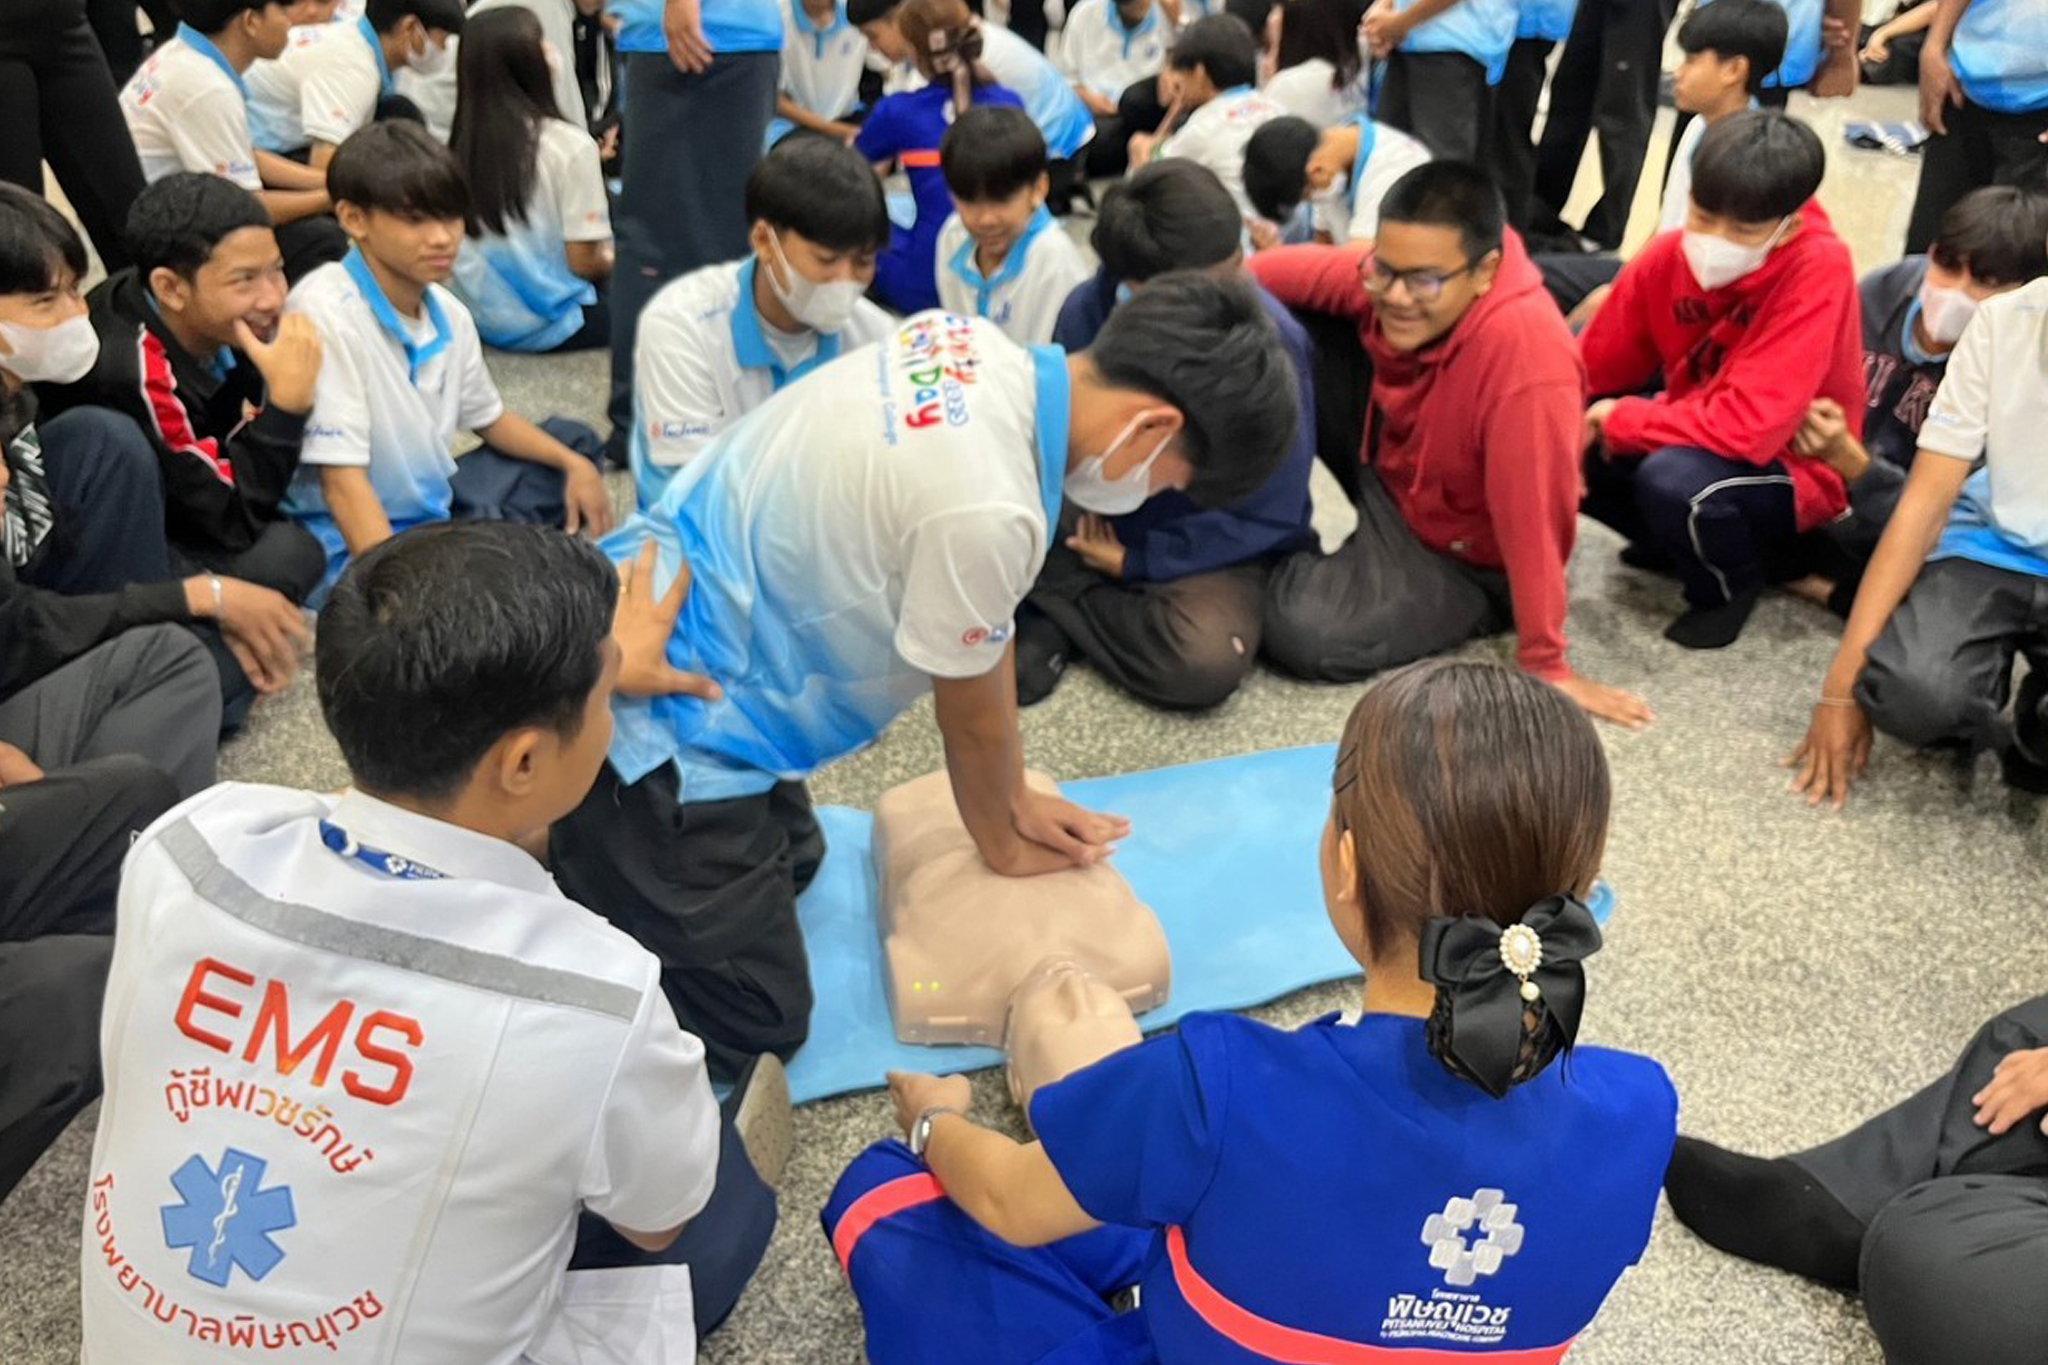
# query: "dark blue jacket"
1170,537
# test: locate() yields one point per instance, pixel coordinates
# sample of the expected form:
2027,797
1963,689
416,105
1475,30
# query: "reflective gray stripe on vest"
330,933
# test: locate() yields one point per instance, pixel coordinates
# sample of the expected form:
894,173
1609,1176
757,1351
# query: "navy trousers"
1724,525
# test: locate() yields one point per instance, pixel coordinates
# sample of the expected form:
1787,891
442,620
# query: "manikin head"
1437,254
400,197
205,250
818,221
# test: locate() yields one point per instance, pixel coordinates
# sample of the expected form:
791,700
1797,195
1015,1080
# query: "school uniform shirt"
1215,136
729,25
1337,1182
1024,295
323,87
1350,212
1993,406
703,359
363,1069
1802,42
187,110
869,528
1309,90
1061,117
1483,30
392,393
2000,54
1899,379
822,67
517,284
1100,54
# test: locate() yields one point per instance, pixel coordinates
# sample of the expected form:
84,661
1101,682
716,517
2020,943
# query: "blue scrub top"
729,25
1337,1180
2000,54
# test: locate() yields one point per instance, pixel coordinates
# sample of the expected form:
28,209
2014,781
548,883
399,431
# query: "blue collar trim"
1145,25
203,45
377,50
804,23
750,344
1368,135
416,354
1909,344
962,263
1053,392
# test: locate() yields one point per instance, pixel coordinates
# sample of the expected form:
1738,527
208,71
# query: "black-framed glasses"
1424,285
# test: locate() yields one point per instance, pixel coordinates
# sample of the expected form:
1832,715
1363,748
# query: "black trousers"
710,888
1514,126
1441,98
286,558
113,23
58,102
1982,147
1941,671
1606,85
1569,276
1727,526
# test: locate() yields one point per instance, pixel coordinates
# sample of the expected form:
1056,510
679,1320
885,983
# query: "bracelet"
213,581
1846,703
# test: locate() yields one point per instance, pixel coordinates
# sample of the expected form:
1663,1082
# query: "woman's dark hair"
1221,45
1755,167
1452,194
446,637
397,167
1171,215
822,190
1999,234
177,222
945,43
1206,346
991,152
1276,166
503,92
1755,29
1470,790
38,246
1321,28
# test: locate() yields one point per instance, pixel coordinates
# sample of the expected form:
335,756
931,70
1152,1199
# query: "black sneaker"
2025,760
1043,652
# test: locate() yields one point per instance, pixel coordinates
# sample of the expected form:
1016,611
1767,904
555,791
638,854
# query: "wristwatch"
921,1131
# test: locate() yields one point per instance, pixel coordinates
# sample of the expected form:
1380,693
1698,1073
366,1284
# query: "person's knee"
122,462
1206,670
1917,699
881,1163
1950,1271
132,788
1295,627
1667,481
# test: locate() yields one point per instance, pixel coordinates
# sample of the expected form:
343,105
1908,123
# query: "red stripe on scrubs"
883,1201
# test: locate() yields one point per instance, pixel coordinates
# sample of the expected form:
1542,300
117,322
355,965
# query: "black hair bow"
1488,976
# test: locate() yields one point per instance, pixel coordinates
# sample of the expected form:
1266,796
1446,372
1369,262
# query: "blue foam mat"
1224,852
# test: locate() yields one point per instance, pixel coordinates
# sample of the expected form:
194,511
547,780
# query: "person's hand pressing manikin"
16,767
915,1094
1094,539
642,628
2018,1089
289,362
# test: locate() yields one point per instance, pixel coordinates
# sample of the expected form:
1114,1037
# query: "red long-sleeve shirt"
1479,432
1741,364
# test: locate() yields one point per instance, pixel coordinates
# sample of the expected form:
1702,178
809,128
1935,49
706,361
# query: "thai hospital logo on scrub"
936,359
1469,1240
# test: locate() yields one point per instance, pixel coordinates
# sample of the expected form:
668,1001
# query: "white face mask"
1089,490
1717,262
50,355
1945,312
431,61
823,307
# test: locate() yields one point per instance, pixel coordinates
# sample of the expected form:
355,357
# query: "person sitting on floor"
497,1098
1213,108
1001,256
404,370
1748,316
1107,48
1343,172
824,58
530,273
333,78
717,343
1319,71
1412,1185
1165,598
1467,479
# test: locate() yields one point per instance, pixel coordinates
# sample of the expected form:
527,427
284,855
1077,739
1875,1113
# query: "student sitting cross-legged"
1212,108
824,57
403,371
335,77
1163,596
1748,316
373,1081
1001,256
1112,51
1467,478
1448,1177
717,343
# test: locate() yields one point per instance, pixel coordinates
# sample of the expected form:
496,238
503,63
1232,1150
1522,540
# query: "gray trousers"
1942,670
151,692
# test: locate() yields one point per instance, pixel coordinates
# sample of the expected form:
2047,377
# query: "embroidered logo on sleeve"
226,1217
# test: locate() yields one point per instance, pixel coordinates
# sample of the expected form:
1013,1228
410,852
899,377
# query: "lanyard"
416,354
376,859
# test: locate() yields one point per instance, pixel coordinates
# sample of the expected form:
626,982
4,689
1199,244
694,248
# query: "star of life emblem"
226,1217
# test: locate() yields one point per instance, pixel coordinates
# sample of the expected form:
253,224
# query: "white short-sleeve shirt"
1024,295
389,401
822,67
1215,136
518,284
323,87
187,110
1100,54
1308,90
1993,405
1350,211
703,358
363,1070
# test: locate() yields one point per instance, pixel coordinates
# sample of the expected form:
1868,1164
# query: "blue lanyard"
387,317
376,859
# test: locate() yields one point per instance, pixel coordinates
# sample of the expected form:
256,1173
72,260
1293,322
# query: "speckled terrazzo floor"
1793,970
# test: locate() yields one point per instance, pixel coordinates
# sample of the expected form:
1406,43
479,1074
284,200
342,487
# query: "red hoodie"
1479,431
1742,363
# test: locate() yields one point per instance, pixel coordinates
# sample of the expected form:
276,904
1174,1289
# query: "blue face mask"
1123,292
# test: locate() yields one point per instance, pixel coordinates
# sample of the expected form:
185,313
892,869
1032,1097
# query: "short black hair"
1756,166
822,190
1998,233
1755,29
439,642
1276,166
177,222
1452,194
1206,345
859,12
1251,13
445,15
211,16
1171,215
992,151
38,245
399,167
1222,46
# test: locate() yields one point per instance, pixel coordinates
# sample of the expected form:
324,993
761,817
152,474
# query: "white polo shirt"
363,1069
1350,210
1098,53
517,284
187,110
323,87
1308,90
393,391
822,67
1024,295
1215,136
703,359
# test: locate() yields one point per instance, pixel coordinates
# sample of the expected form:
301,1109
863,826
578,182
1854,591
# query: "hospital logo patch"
226,1217
1461,1260
982,635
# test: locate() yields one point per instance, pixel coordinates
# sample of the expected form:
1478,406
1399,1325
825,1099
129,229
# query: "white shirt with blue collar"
822,67
1216,134
323,87
1099,52
187,109
1024,295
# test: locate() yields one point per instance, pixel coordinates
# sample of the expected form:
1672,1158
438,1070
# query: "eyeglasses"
1424,286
